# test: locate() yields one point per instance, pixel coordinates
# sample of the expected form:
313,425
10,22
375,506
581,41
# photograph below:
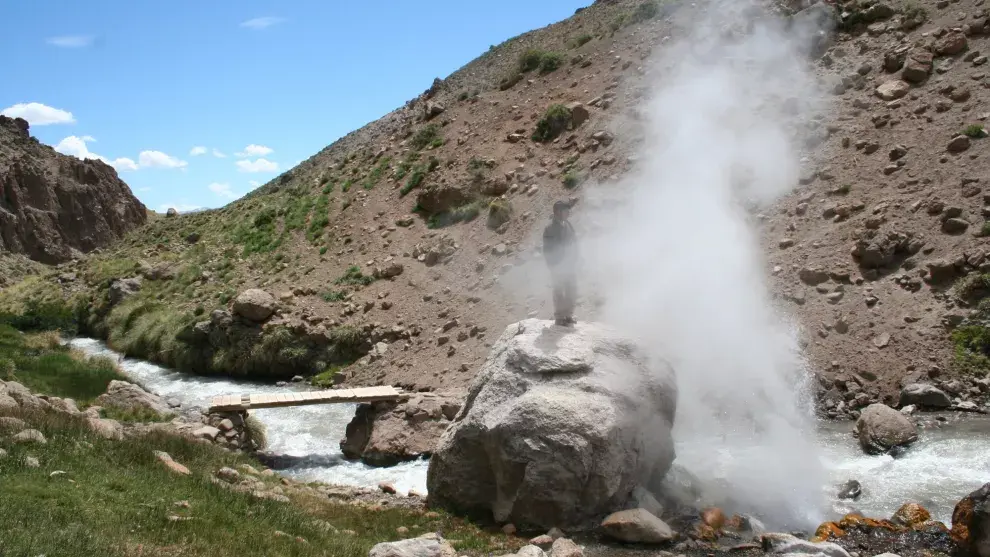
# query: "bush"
510,81
551,62
334,295
644,12
499,213
425,137
571,180
580,41
464,213
354,277
556,119
415,180
975,131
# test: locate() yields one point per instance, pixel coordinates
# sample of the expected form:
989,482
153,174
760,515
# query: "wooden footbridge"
238,403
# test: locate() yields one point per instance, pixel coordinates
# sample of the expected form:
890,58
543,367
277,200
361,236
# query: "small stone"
637,526
172,465
958,144
881,340
228,475
386,487
32,462
892,90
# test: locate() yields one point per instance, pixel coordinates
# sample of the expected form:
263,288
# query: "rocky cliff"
52,205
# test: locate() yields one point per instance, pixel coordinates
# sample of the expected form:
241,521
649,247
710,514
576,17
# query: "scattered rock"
787,544
172,465
121,289
415,547
637,526
958,144
30,436
911,515
228,475
563,547
850,490
892,90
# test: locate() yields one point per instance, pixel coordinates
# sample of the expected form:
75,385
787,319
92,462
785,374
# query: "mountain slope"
400,242
53,206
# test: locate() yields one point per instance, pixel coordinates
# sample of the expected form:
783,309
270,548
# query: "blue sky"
196,103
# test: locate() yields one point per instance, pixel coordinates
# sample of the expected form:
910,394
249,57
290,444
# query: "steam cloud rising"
672,255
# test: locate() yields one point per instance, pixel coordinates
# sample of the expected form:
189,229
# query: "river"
945,464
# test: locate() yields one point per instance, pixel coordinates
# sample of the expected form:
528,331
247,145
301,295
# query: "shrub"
510,81
645,11
415,180
464,213
551,62
571,180
426,136
334,295
354,277
554,122
531,59
499,213
975,131
984,230
580,41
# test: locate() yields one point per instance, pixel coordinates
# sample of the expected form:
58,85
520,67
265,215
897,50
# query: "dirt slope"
443,195
53,206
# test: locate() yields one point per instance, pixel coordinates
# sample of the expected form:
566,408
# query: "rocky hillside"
383,259
53,206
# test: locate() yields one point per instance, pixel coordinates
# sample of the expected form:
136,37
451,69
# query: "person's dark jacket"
560,244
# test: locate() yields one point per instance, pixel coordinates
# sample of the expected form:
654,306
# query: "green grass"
499,213
971,341
325,380
115,499
319,220
415,180
554,122
984,230
645,11
39,363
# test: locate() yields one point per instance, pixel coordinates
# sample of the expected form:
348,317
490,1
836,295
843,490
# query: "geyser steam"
676,259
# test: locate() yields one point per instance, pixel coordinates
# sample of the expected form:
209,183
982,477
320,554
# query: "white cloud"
219,154
197,151
222,189
71,41
255,151
260,165
262,22
38,114
145,189
76,147
157,159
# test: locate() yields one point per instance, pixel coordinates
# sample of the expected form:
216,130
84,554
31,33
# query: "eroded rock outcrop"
53,205
559,428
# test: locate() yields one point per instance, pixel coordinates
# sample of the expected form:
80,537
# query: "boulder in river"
559,427
386,433
925,396
880,428
971,523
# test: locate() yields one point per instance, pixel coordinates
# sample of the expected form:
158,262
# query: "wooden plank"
278,400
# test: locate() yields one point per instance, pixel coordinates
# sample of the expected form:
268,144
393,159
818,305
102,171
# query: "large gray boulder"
128,396
880,428
925,396
254,305
559,427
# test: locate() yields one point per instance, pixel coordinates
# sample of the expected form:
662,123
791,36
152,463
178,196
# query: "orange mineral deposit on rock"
911,515
713,517
828,530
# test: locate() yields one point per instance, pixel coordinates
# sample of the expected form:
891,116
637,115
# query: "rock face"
559,428
386,433
971,522
128,396
52,205
880,428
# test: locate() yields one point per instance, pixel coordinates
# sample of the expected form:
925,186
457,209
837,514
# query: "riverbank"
71,489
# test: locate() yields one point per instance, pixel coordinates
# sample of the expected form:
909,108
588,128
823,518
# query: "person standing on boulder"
560,251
